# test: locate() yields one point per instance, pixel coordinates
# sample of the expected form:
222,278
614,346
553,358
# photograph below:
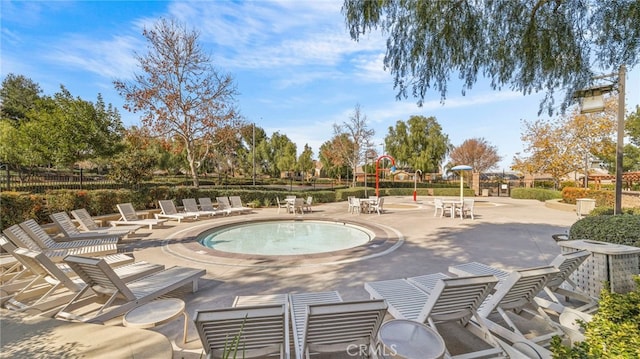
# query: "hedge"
620,229
535,193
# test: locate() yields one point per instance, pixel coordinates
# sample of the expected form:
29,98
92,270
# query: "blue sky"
296,68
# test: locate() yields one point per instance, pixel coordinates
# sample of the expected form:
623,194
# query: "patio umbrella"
461,168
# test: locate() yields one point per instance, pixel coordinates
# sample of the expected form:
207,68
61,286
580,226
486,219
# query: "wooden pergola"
629,178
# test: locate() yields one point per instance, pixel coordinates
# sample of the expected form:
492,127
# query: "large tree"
18,96
333,156
179,92
528,46
477,153
418,144
360,139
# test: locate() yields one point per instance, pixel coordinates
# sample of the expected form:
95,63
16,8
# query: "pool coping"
185,244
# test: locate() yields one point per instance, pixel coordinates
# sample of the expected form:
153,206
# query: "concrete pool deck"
506,233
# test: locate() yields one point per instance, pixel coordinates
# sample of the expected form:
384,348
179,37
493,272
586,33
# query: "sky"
295,66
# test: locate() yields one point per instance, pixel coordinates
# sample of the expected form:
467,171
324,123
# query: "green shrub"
606,210
614,331
535,193
620,229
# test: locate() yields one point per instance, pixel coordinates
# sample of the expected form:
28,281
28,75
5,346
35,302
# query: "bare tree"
179,92
359,135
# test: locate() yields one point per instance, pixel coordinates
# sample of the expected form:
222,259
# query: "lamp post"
415,184
592,102
393,164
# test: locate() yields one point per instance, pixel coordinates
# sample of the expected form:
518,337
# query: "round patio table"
408,339
156,313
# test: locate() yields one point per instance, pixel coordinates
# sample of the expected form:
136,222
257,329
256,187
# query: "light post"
393,168
415,184
592,102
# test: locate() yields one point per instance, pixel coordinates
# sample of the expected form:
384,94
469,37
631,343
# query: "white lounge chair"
559,284
69,229
113,295
225,204
191,206
206,205
445,299
236,205
252,331
61,287
323,323
20,239
87,223
129,217
38,234
516,294
169,211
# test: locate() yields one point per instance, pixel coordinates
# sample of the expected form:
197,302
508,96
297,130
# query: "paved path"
506,233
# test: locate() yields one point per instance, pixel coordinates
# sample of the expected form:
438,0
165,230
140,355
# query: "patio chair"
322,323
444,300
169,211
128,216
559,285
207,205
45,241
298,205
438,207
284,205
191,206
252,331
466,209
87,223
20,239
307,204
61,283
377,206
69,229
236,205
113,295
354,205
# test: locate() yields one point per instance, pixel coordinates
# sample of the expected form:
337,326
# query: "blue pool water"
286,237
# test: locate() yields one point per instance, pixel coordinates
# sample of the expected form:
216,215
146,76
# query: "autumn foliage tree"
477,153
567,143
179,92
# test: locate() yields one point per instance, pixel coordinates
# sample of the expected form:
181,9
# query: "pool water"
286,237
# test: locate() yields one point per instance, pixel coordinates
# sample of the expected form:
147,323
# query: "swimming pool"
286,237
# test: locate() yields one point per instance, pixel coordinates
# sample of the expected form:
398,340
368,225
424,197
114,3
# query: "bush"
603,198
620,229
614,331
535,193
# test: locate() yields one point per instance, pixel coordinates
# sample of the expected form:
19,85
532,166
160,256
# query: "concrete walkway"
506,233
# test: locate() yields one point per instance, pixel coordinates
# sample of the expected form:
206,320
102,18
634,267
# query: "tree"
477,153
332,156
180,92
419,143
528,46
18,96
359,135
137,161
305,160
633,126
